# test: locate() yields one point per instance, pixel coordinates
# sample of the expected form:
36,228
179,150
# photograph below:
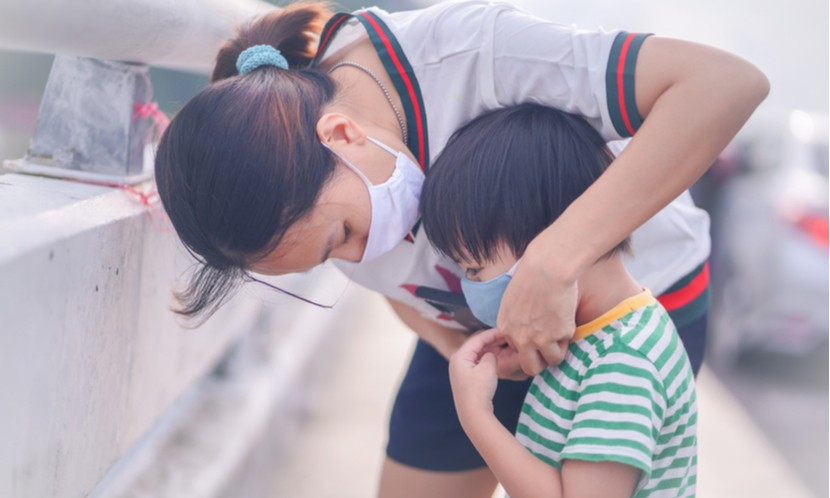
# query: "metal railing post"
87,126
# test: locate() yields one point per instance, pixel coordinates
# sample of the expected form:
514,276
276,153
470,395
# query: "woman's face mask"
484,298
394,203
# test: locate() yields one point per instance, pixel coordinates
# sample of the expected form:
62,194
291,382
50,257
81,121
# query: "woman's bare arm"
694,100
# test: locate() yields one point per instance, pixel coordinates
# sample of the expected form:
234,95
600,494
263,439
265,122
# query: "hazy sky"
788,41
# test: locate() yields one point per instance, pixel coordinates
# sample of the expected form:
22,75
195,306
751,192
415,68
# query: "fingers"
488,361
476,346
478,343
554,353
508,366
492,347
496,345
489,337
531,361
534,358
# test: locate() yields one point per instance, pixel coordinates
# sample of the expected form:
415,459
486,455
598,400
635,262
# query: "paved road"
787,397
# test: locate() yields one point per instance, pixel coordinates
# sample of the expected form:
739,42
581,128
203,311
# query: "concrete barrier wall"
102,392
90,355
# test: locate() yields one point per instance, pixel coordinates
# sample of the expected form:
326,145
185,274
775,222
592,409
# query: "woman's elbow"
754,84
742,81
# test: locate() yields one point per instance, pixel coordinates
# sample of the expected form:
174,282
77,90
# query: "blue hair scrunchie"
260,55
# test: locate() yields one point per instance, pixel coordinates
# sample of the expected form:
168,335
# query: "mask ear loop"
512,269
349,165
383,146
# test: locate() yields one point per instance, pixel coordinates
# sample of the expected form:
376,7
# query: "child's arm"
586,479
474,380
523,475
520,473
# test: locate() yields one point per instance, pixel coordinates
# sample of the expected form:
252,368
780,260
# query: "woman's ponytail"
240,163
293,30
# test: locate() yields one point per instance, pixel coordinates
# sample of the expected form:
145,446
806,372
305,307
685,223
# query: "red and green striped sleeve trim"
328,33
403,77
400,72
688,299
619,82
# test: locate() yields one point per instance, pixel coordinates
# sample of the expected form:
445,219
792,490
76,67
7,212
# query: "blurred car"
770,242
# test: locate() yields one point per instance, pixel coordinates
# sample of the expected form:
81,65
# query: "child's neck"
603,286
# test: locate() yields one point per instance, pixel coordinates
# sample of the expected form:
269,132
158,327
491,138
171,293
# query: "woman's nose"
351,251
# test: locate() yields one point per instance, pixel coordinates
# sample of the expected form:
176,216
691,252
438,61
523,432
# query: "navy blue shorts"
424,431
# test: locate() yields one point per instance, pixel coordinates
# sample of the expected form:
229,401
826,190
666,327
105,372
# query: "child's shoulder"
647,329
635,322
640,334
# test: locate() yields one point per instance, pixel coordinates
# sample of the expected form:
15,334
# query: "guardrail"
180,34
86,125
95,372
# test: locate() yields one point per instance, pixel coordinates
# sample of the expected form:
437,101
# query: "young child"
618,417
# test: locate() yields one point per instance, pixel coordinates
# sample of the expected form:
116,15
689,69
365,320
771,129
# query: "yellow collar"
623,308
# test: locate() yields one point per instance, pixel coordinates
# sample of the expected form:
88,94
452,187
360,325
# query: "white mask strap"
512,269
349,165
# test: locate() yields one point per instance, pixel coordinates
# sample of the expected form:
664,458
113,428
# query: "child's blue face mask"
484,298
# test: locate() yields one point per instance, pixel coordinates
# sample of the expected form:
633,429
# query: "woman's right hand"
508,361
537,312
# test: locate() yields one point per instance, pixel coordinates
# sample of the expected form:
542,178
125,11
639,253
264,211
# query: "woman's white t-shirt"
470,57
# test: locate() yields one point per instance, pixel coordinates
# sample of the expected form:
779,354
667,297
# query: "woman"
304,152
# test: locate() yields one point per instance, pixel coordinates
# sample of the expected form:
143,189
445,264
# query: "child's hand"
508,363
473,373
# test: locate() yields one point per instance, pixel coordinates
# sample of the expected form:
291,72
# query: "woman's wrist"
556,256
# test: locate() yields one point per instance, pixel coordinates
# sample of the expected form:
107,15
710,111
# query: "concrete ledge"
222,437
90,354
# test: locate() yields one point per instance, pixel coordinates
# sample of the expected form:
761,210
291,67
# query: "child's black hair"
506,176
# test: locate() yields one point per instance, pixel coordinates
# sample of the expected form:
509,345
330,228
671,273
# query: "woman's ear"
334,128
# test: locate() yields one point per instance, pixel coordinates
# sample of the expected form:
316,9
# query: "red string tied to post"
150,110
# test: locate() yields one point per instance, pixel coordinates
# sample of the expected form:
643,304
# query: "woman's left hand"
537,314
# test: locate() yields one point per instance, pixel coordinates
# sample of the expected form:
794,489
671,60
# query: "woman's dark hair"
507,175
240,163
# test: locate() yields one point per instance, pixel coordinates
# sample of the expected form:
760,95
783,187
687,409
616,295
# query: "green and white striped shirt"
625,393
